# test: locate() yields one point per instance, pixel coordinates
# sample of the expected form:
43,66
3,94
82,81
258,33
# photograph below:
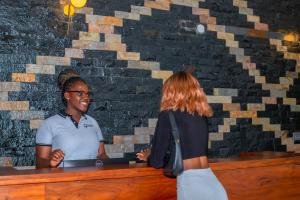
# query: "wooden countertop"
251,176
8,176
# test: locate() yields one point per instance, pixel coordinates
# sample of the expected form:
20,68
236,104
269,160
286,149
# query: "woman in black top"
183,95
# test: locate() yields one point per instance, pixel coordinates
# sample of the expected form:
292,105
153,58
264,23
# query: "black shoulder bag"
174,163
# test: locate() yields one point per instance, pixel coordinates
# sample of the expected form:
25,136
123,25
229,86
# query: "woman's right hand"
144,154
56,157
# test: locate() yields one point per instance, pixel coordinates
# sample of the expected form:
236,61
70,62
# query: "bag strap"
175,130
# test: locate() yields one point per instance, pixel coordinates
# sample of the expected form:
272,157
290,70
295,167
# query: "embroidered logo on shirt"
87,125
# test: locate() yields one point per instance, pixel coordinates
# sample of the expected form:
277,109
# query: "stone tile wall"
126,49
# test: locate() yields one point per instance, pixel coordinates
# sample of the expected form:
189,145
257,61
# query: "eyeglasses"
81,93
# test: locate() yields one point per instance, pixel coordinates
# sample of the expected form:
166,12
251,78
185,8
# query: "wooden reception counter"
257,176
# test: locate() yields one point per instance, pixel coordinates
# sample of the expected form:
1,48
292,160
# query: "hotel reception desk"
252,176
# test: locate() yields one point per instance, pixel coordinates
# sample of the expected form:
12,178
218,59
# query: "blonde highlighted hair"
183,92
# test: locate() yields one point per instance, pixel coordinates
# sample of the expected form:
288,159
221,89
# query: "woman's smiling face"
78,97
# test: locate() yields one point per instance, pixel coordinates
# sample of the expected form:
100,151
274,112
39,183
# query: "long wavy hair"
183,92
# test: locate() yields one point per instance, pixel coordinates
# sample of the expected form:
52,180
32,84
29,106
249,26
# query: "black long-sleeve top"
193,136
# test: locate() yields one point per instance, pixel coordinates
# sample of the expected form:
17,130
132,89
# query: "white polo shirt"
78,141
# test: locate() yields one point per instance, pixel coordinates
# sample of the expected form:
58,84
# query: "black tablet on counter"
93,162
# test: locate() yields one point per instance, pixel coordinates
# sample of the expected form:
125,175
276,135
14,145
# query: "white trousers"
199,184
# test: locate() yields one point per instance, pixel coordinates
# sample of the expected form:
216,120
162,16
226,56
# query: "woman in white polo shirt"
71,134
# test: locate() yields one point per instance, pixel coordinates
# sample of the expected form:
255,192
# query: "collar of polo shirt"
63,114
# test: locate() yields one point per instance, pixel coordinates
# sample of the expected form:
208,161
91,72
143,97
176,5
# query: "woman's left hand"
144,154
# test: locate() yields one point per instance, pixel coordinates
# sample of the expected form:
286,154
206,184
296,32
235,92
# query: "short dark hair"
65,75
67,84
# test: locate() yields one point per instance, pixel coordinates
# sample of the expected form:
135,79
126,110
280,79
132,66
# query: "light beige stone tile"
74,53
292,75
3,96
220,28
289,101
115,155
143,65
225,36
245,11
240,3
278,93
225,92
40,69
271,127
286,80
127,15
14,105
200,11
261,26
35,124
160,74
278,134
219,99
223,129
82,44
212,20
255,107
26,115
152,122
249,66
203,19
216,136
260,121
292,56
254,72
119,148
229,121
96,28
298,69
128,55
242,59
253,18
90,36
189,3
231,43
260,79
236,51
269,100
270,86
10,86
103,20
113,38
141,10
282,48
118,139
275,42
211,27
144,130
53,60
85,10
131,139
25,167
295,108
